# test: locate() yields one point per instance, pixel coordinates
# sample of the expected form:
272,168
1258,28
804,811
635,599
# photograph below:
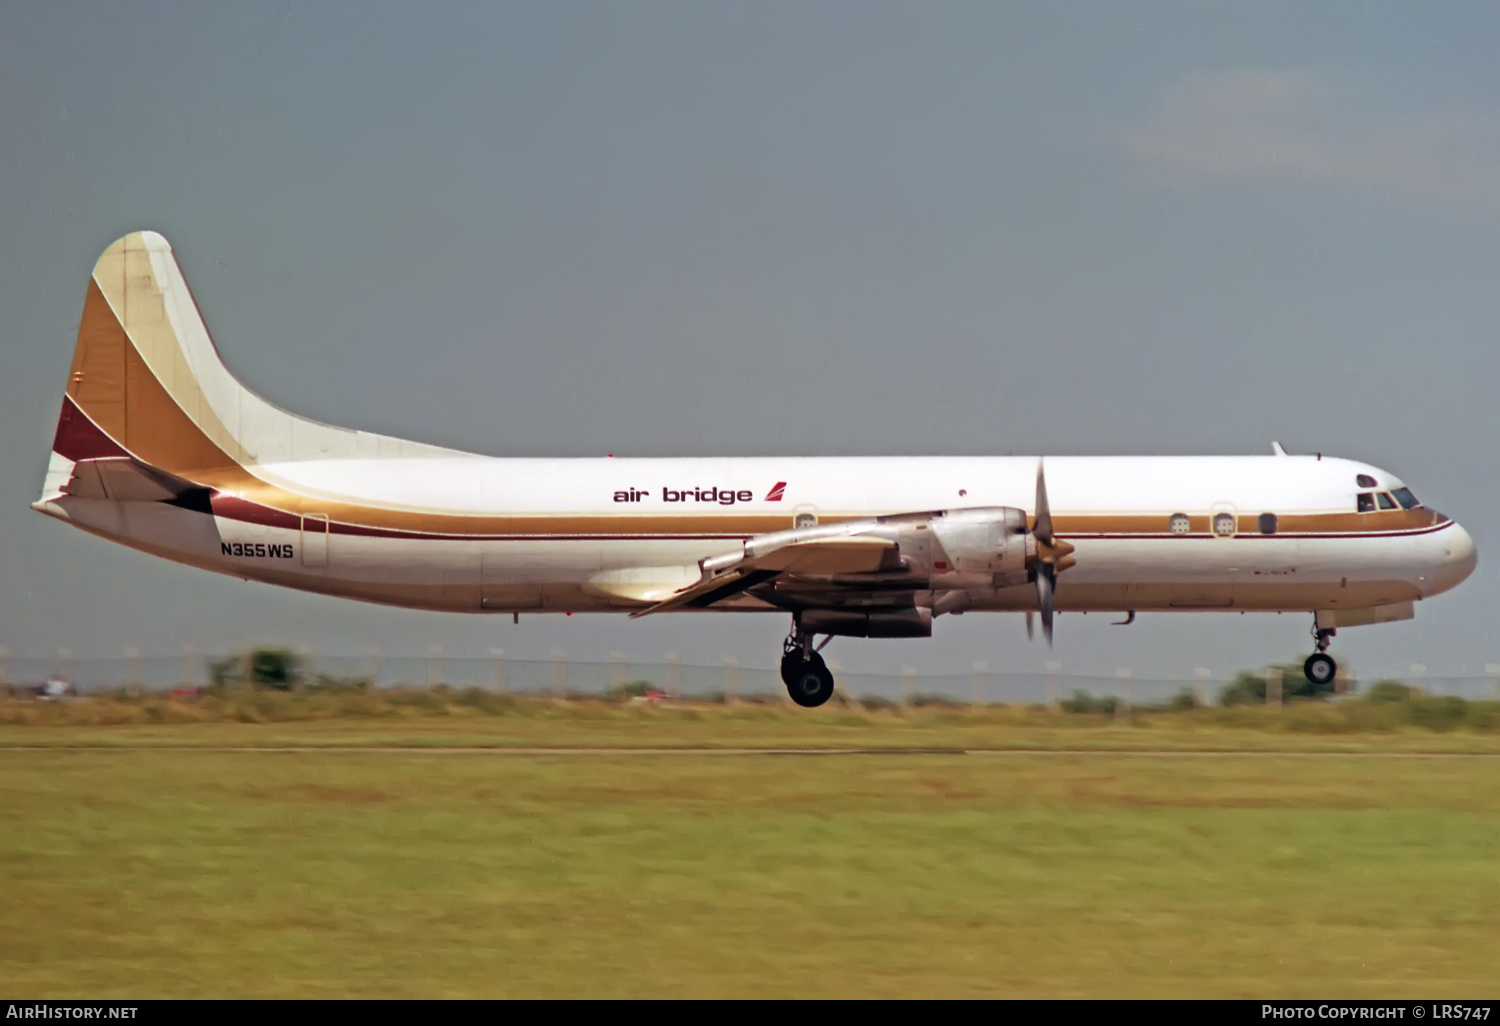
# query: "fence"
560,676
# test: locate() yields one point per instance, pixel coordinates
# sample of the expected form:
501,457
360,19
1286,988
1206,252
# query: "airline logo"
719,496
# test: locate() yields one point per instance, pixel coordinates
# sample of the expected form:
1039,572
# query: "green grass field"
139,860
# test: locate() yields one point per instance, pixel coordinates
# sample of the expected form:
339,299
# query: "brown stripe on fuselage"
1346,523
1201,525
495,528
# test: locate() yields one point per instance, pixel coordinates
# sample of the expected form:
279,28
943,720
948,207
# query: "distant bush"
1186,698
280,670
491,702
270,667
1083,702
274,667
1390,691
1249,688
1402,703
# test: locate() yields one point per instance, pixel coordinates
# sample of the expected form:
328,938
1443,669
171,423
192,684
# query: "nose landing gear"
1320,667
808,679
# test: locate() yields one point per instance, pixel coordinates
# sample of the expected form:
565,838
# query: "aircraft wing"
816,556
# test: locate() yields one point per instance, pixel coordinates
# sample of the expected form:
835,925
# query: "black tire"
808,681
1320,669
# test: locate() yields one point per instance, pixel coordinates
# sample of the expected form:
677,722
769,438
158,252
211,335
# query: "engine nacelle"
964,544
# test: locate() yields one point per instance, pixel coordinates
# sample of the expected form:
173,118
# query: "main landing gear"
1320,667
808,679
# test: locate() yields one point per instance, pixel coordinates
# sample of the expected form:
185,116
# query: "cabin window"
1366,502
1180,523
805,520
1365,481
1386,502
1406,498
1224,524
1268,523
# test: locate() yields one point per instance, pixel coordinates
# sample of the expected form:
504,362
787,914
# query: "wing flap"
715,589
854,555
818,557
643,584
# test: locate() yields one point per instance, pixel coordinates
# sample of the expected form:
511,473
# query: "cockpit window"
1365,481
1386,502
1406,498
1366,502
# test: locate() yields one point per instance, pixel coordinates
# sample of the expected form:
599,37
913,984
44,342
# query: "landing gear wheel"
808,681
1320,668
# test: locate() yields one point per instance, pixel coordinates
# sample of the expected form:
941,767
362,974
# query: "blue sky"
845,228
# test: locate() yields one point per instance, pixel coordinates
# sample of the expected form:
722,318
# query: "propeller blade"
1045,583
1052,556
1043,528
1030,626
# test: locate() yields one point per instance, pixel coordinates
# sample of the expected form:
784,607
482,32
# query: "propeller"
1052,557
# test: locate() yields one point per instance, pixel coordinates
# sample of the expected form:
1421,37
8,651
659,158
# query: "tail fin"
148,384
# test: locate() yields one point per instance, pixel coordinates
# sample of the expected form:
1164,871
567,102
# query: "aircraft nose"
1459,557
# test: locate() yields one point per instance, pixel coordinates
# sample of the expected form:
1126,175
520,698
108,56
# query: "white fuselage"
469,533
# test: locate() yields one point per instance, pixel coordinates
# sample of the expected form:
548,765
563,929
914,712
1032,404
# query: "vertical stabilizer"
147,381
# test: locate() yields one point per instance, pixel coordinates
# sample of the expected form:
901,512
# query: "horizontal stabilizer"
126,479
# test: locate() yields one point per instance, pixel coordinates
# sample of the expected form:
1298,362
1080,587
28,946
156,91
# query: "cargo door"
315,539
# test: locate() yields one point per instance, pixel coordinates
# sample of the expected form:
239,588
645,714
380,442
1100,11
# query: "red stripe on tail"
79,438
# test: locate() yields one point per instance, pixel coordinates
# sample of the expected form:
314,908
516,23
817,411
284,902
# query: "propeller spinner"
1052,557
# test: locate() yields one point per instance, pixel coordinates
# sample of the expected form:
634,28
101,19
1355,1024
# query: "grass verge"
155,873
1405,722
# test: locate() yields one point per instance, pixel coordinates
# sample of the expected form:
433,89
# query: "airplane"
158,447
